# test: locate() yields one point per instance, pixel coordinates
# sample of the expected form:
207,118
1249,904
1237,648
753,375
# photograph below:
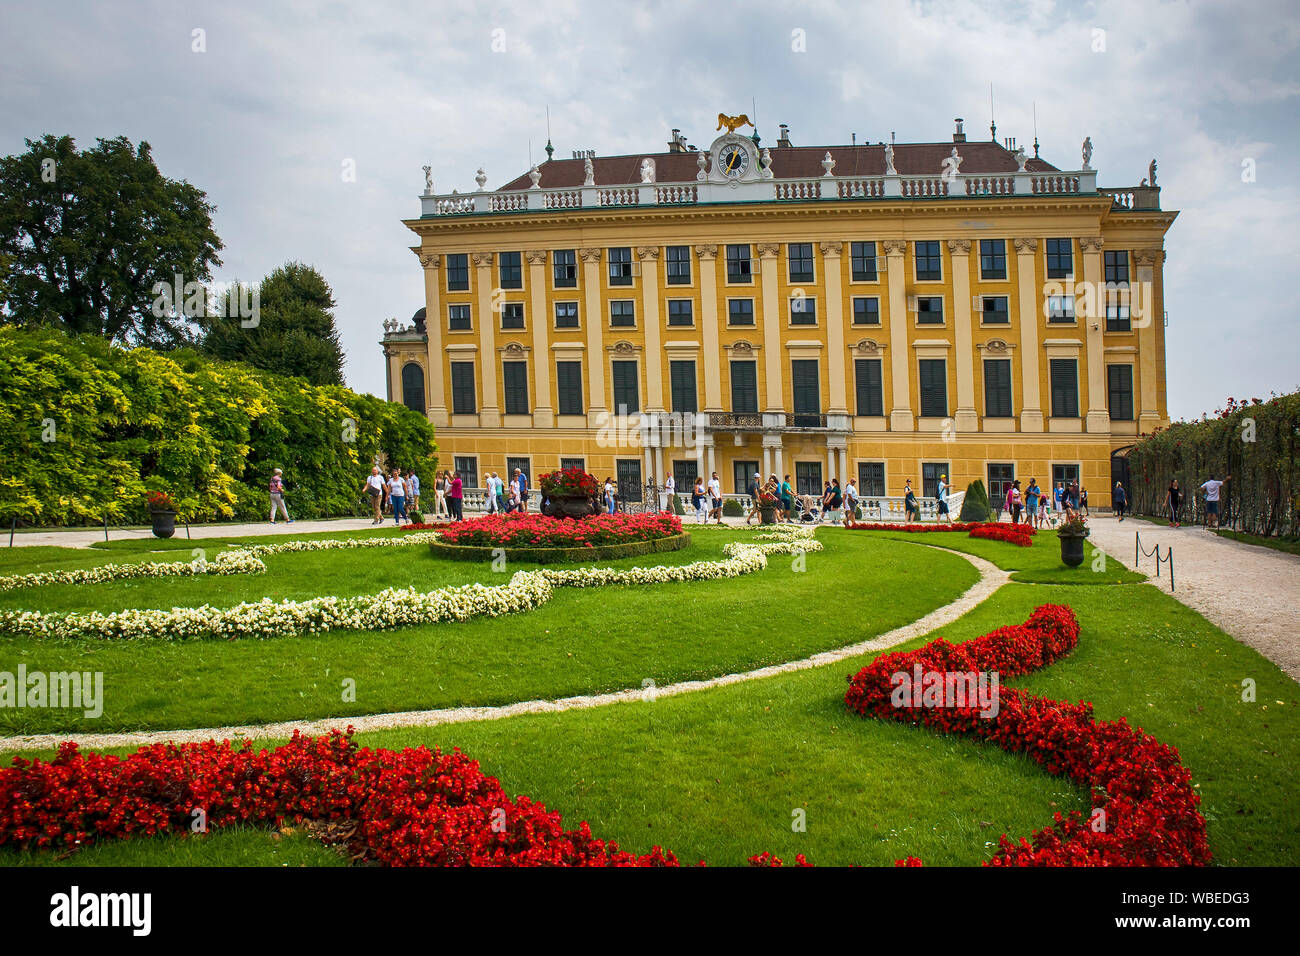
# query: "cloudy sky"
286,93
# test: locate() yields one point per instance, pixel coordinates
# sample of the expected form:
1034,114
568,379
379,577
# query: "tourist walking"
670,489
523,489
754,492
413,482
374,488
1119,500
1212,493
1083,501
850,502
942,490
911,512
397,495
1173,496
609,495
276,487
1013,501
715,498
1032,492
456,497
491,501
697,502
787,499
440,494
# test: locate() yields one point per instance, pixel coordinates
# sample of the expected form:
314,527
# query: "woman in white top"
440,490
670,488
609,496
397,495
374,489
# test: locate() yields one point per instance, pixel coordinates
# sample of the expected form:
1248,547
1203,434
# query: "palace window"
457,265
930,472
744,388
515,378
871,394
866,310
458,318
994,310
467,466
803,310
564,264
1060,308
413,386
578,463
681,312
871,479
1116,265
677,262
566,315
997,388
568,387
1001,475
1060,258
929,261
681,377
862,261
463,399
622,314
512,315
799,261
933,381
627,395
620,265
740,312
1064,375
1117,318
1119,381
929,310
510,270
738,265
993,258
805,392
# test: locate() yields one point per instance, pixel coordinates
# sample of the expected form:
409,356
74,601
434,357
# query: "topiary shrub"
415,517
731,508
975,506
676,506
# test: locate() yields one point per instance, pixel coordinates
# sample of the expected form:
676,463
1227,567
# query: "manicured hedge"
88,428
603,552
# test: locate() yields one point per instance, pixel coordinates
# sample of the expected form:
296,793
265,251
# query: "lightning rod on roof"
993,126
1035,129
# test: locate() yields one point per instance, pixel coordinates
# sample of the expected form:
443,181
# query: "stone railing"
1133,197
819,189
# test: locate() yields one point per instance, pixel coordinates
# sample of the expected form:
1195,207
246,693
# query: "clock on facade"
733,160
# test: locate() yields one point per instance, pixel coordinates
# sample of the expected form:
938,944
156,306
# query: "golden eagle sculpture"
731,122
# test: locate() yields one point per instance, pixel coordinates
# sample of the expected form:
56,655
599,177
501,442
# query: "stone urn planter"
566,506
767,513
1072,547
164,523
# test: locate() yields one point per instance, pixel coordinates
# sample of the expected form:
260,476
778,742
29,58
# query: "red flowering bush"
1010,533
160,501
569,483
414,807
1148,807
970,526
519,530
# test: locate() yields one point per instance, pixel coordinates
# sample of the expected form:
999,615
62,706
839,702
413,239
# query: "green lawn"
718,774
1289,545
237,846
583,641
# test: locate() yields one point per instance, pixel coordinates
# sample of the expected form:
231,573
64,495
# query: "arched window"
413,387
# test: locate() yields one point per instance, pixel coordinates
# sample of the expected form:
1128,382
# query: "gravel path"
991,578
1248,591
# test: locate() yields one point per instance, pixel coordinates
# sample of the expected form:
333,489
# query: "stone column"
967,418
1031,409
435,393
543,411
594,320
834,329
900,415
707,256
1148,262
653,320
489,414
1094,324
772,318
778,458
767,458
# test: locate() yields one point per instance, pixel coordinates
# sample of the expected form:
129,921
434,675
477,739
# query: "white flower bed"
390,608
228,562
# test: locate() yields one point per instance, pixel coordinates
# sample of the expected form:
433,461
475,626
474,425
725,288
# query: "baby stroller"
807,508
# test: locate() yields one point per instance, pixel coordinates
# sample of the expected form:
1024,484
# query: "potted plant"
162,510
1072,533
570,493
768,507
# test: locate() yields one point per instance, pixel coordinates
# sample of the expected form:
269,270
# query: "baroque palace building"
878,311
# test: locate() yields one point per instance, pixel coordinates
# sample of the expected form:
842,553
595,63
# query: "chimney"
958,136
677,142
784,139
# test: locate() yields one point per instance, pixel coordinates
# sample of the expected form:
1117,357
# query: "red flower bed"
1010,533
571,482
1146,794
414,807
937,526
538,531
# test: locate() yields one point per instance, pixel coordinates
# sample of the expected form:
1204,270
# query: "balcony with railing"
819,189
776,422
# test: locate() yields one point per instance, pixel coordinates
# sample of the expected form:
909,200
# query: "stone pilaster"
900,413
489,316
543,410
1031,408
435,389
966,419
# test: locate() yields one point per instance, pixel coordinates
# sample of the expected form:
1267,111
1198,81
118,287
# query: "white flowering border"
392,607
241,560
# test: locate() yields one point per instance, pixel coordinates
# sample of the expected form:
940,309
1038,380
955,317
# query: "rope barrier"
1139,552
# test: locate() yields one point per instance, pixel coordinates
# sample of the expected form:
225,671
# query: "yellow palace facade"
877,311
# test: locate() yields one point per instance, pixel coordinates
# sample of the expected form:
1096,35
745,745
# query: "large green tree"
291,333
88,234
